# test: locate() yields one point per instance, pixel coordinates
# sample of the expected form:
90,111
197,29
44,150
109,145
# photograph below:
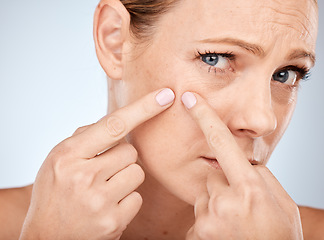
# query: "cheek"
283,114
168,137
143,76
171,132
159,69
168,148
284,107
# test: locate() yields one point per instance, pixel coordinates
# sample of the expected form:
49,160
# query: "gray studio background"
51,83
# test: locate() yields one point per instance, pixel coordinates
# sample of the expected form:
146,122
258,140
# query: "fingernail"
189,99
165,97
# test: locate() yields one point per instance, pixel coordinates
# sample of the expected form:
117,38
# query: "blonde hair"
144,13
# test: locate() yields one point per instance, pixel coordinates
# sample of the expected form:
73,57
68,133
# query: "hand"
242,201
85,188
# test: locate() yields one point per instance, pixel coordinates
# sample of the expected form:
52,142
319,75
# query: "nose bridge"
254,111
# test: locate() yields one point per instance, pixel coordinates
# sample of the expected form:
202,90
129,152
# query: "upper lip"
252,161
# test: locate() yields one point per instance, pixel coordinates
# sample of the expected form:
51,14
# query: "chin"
183,184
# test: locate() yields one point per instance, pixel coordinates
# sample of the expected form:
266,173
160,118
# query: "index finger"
220,139
112,128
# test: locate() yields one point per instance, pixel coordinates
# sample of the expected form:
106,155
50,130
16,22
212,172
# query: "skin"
240,106
255,109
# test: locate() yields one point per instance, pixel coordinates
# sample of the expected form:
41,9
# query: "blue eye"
211,60
285,76
215,60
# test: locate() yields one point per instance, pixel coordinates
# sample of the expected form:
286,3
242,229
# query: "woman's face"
241,56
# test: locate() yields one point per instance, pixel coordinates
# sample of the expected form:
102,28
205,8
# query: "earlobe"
111,25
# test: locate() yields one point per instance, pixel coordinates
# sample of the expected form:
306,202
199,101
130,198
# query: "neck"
162,216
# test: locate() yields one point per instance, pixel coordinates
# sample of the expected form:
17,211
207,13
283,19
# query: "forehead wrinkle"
285,25
295,14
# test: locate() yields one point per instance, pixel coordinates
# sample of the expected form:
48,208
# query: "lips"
254,162
212,162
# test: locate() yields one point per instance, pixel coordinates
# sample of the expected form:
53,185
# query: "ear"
111,29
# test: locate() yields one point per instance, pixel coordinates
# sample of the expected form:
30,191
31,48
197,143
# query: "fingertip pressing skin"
165,97
189,100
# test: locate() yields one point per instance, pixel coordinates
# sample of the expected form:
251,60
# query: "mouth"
254,162
214,163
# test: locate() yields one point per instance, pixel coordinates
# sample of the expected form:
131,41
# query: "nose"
251,112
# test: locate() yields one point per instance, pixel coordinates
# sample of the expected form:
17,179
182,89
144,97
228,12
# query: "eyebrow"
258,50
298,54
255,49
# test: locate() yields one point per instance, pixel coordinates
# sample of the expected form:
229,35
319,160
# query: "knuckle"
148,108
254,194
97,203
251,180
252,188
222,206
60,154
115,126
79,130
112,225
203,233
65,148
203,230
216,140
83,177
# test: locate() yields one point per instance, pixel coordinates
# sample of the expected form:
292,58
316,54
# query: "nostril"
252,133
249,132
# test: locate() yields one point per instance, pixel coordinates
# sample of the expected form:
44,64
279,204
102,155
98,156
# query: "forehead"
254,20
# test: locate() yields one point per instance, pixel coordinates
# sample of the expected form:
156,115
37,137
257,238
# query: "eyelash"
303,73
228,55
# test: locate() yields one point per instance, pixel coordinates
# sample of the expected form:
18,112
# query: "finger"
216,183
219,137
117,125
272,182
125,182
113,161
191,235
81,129
130,206
201,205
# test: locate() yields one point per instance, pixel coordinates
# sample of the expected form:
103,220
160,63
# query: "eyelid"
228,55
